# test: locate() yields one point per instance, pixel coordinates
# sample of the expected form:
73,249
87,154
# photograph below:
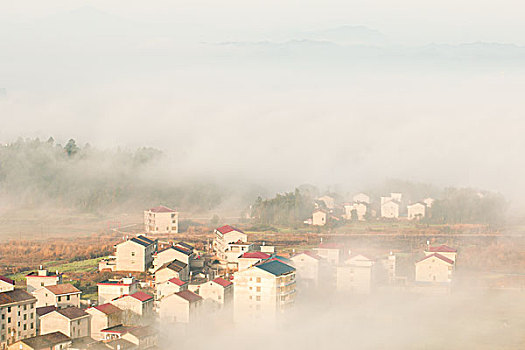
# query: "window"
9,309
25,307
68,297
59,299
132,253
3,316
41,284
258,298
25,317
25,327
258,289
31,324
9,320
31,316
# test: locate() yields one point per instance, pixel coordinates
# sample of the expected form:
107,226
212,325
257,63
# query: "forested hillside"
35,172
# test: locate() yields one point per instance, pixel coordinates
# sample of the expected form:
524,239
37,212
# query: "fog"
276,95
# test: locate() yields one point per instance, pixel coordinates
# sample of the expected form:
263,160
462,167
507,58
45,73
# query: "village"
157,280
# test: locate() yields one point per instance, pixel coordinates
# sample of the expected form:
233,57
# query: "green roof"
276,268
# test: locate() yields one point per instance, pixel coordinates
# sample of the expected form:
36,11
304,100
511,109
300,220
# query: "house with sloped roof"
17,308
137,307
389,208
356,274
102,317
332,252
319,217
172,253
135,254
263,290
229,241
171,286
161,220
143,337
182,307
173,269
312,269
434,268
114,288
416,211
361,198
59,295
71,321
6,284
218,290
54,340
444,250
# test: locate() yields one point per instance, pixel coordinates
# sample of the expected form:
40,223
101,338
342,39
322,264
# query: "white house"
181,307
169,287
251,258
390,209
429,201
311,268
434,268
6,284
319,217
332,252
225,236
218,290
356,275
111,289
416,211
162,220
135,254
360,209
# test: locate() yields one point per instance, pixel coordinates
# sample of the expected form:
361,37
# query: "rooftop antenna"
428,245
264,243
321,239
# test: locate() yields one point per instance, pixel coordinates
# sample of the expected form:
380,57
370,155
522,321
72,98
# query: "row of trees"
285,209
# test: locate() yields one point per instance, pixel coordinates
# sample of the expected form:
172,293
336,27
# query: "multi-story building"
264,290
161,220
172,253
138,304
111,289
135,254
42,278
60,295
311,268
443,250
17,316
230,242
71,321
169,287
434,268
181,307
218,290
356,275
102,317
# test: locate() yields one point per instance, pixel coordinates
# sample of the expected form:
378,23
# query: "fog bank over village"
315,175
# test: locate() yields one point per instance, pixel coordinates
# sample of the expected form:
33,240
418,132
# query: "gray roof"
15,296
174,265
146,242
276,268
46,341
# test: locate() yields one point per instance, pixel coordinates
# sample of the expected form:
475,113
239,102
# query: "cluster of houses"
361,209
232,278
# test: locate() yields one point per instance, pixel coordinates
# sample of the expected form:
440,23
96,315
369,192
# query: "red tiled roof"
255,255
227,228
65,288
222,282
141,296
177,281
439,256
189,296
162,209
442,249
107,308
7,280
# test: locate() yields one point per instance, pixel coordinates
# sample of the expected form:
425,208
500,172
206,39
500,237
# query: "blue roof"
276,268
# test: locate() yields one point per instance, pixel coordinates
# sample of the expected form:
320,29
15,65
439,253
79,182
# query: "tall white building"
263,291
161,219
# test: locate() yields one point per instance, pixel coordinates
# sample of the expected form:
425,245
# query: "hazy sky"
129,74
